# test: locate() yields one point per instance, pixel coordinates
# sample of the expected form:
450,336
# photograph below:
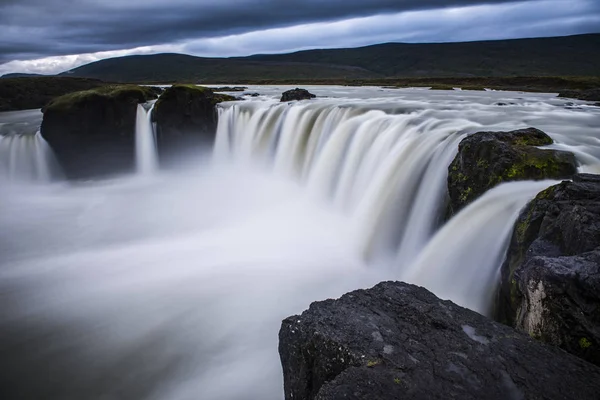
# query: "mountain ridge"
575,55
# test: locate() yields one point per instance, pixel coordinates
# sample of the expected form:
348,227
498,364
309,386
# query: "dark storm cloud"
37,28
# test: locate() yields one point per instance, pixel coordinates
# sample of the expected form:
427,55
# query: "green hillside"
560,56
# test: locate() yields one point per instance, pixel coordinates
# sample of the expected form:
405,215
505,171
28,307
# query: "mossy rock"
486,159
550,280
186,119
92,132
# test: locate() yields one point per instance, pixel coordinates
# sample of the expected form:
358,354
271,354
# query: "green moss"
584,343
533,141
466,194
546,194
188,91
397,381
483,163
538,165
372,363
66,102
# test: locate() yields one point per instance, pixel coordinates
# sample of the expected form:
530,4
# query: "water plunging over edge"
146,155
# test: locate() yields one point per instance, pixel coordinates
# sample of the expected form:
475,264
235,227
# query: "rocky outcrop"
550,284
585,94
399,341
92,132
296,94
186,119
486,159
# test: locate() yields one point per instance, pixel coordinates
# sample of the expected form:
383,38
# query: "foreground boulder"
92,132
399,341
296,94
551,278
486,159
186,118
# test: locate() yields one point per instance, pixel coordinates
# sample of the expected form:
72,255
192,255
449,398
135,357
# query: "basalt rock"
92,132
186,119
399,341
550,284
296,94
486,159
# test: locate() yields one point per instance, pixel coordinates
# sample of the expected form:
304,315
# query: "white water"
145,141
374,166
462,262
174,286
26,158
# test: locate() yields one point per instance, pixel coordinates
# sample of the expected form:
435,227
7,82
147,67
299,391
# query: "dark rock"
296,94
550,284
22,93
92,132
186,119
584,94
399,341
486,159
252,94
229,89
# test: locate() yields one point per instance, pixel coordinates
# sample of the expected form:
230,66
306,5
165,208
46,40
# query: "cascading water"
376,166
462,262
26,158
175,287
145,141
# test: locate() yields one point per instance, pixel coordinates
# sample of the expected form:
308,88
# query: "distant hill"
559,56
184,68
21,75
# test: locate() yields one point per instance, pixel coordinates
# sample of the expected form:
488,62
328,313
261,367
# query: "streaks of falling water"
145,142
467,270
26,158
386,171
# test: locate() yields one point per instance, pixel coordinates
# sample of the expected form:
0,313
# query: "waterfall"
387,171
26,158
145,141
462,261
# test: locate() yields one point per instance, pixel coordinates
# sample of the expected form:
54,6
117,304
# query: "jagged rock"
550,284
486,159
296,94
399,341
186,119
92,132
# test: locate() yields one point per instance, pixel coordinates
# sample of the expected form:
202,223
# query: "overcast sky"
51,36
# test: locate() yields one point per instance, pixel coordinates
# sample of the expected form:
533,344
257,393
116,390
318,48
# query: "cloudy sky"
51,36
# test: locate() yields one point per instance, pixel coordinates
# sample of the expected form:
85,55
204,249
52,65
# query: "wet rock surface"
186,119
486,159
398,341
296,94
92,132
550,284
